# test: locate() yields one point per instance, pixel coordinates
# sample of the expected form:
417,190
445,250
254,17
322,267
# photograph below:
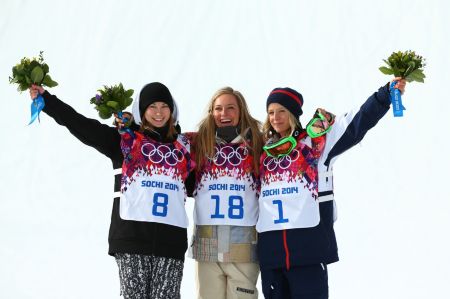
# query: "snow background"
56,193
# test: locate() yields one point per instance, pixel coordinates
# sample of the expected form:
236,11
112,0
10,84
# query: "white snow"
393,199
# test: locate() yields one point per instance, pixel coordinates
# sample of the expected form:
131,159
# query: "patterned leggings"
149,276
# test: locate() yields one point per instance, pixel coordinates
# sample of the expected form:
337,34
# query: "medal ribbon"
36,107
396,99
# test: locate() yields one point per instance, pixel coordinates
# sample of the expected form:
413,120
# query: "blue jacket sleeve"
350,128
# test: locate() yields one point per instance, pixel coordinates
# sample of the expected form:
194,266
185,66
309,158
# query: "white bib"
286,205
226,201
155,198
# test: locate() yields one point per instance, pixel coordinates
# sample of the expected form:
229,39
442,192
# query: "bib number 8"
235,207
160,203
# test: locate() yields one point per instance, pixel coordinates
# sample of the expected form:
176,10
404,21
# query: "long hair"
171,132
206,137
269,131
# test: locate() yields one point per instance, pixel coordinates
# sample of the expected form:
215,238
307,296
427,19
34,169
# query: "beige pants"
227,280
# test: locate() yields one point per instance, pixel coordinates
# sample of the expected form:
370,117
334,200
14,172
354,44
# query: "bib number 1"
281,218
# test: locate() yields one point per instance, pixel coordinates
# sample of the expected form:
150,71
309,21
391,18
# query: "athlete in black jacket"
125,236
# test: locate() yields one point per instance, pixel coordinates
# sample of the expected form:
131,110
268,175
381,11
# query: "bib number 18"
235,207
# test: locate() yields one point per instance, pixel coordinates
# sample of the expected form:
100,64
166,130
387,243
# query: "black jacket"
124,236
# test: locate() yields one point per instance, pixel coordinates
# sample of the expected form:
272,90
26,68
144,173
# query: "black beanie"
154,92
288,98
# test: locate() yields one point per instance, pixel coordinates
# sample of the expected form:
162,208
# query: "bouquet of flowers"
31,71
406,64
112,100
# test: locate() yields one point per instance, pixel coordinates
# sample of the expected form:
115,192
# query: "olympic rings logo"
229,154
271,163
157,154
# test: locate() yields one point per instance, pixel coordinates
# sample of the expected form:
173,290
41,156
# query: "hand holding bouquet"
407,65
113,100
30,72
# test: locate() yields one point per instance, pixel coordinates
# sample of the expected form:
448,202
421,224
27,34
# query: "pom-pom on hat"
154,92
288,98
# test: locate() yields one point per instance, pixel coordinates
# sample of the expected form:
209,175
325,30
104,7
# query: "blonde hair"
206,137
171,133
269,131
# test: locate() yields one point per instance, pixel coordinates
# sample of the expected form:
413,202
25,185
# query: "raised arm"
91,132
350,128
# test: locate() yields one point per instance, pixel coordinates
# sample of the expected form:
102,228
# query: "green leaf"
128,103
23,86
386,70
104,115
33,64
45,68
19,68
129,93
406,58
114,105
49,82
17,79
104,111
29,71
404,64
14,71
37,74
411,67
420,73
416,75
412,79
116,99
106,97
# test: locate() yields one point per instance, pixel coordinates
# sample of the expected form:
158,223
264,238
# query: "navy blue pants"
302,282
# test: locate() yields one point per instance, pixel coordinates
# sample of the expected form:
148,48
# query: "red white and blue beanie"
288,98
